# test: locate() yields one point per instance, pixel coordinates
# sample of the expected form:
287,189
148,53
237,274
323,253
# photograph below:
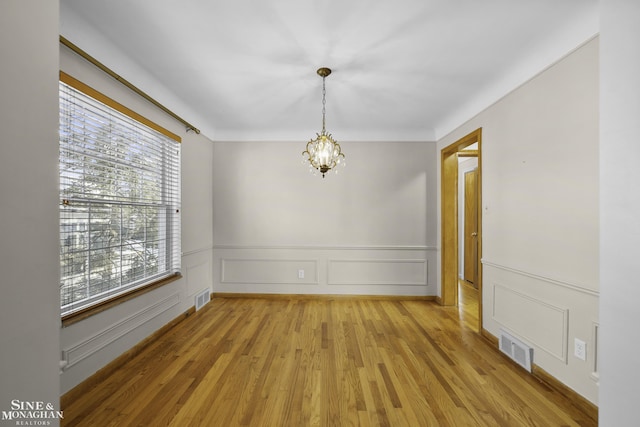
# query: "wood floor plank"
322,362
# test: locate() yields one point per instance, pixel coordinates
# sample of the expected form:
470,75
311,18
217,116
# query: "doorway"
469,219
450,229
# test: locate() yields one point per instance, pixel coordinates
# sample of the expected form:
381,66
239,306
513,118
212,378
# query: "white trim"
196,251
572,286
327,247
595,332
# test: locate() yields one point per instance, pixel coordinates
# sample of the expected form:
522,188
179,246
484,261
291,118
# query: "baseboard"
583,404
493,340
106,371
323,296
588,408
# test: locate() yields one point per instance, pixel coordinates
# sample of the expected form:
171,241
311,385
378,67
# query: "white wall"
619,212
370,229
540,215
92,343
29,315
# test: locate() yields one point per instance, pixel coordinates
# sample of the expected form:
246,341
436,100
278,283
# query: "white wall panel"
98,341
268,271
197,194
198,273
371,229
535,321
378,272
328,270
547,314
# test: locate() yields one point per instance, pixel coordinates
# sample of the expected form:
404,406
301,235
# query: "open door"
471,227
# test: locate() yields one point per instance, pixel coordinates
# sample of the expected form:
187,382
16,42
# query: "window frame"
127,294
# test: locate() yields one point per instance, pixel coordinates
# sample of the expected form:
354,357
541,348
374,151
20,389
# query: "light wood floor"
322,362
468,306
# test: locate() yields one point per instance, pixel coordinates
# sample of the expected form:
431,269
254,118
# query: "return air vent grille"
519,352
202,298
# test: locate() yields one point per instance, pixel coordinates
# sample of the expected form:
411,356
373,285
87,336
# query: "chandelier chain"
324,102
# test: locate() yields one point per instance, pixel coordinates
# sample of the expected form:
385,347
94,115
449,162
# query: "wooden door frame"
449,220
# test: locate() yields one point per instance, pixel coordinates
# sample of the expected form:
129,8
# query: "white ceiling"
402,69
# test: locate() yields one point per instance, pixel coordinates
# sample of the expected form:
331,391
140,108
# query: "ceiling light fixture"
323,153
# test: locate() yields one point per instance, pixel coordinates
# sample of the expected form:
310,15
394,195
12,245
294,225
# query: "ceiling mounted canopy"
323,152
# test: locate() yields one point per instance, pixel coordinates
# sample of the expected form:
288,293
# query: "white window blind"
120,202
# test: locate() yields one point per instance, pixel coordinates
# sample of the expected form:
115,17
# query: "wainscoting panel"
198,276
535,321
97,342
269,271
549,314
327,270
378,272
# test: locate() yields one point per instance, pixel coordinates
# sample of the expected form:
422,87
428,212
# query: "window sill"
78,316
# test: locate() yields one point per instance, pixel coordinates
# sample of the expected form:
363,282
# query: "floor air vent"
202,298
521,353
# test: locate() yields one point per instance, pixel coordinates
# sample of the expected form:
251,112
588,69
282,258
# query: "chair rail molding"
564,284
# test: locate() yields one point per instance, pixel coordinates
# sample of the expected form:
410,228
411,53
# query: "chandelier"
323,153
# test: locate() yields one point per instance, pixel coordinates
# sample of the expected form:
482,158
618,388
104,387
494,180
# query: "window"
119,200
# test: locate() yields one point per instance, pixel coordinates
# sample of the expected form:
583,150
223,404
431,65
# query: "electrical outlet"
300,274
580,349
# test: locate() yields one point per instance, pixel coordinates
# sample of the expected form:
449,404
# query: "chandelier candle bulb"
323,153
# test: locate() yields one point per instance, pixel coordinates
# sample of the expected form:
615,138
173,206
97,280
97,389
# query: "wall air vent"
202,298
518,351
